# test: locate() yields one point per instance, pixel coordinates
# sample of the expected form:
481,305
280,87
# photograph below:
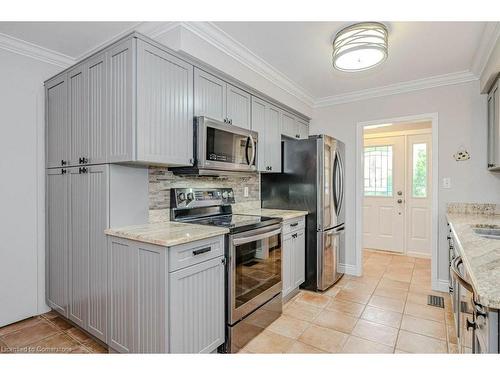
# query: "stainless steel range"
253,254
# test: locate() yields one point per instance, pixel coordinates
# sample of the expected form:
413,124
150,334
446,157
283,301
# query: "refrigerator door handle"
341,179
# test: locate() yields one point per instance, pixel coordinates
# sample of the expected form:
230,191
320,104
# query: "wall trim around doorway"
433,117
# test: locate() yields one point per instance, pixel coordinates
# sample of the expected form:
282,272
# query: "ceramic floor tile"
375,332
424,327
353,296
415,343
385,317
302,311
332,292
348,307
30,334
314,299
452,334
269,342
417,298
19,325
95,347
58,343
78,335
61,323
288,326
425,312
323,338
357,345
301,348
384,282
390,292
385,303
361,287
336,320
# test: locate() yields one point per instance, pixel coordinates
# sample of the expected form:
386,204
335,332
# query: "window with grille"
378,171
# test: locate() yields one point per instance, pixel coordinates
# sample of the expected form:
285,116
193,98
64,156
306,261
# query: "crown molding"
489,38
230,46
34,51
398,88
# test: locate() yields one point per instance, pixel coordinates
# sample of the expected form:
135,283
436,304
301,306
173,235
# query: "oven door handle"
242,240
454,268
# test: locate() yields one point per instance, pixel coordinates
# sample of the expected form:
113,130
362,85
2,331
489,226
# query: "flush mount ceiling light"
360,47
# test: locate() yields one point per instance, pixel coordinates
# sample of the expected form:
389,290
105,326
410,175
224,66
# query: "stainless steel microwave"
221,147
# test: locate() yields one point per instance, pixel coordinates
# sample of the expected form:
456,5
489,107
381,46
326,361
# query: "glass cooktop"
237,223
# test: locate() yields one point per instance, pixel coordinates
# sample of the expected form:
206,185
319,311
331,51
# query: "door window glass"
378,171
419,173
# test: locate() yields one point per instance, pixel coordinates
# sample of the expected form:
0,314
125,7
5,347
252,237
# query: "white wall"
462,120
22,281
492,68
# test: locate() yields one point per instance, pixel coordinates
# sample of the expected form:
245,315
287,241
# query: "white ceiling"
303,52
72,39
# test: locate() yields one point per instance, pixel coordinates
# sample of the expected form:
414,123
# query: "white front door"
384,186
418,196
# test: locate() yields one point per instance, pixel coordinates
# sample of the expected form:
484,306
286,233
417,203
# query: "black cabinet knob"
82,170
83,160
63,162
63,171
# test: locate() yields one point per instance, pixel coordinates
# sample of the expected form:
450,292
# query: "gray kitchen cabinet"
238,107
494,127
57,129
302,129
164,107
293,264
165,300
77,114
57,240
197,307
266,121
221,101
288,125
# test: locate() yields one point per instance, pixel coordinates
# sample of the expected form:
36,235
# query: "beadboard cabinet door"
238,107
77,96
98,211
79,246
209,95
288,125
197,307
164,107
300,258
57,241
96,110
121,101
287,265
303,129
266,121
56,120
293,265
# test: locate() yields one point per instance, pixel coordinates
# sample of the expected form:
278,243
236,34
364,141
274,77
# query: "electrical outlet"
245,191
446,183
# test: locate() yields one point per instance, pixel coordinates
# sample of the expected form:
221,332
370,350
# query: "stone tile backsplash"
474,208
161,180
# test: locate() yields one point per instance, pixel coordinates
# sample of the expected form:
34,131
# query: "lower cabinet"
293,265
166,299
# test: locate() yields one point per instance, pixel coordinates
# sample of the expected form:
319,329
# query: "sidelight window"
419,170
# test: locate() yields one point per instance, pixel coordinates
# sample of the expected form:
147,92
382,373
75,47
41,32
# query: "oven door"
225,147
254,275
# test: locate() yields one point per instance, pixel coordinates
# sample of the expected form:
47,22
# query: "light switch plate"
446,183
245,191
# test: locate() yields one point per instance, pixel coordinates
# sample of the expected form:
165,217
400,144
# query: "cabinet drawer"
195,252
293,225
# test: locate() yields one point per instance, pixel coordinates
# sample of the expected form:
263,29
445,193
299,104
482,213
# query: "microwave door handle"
252,159
243,240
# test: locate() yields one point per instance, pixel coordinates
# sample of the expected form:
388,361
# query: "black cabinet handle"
83,160
294,235
294,224
82,170
470,324
63,171
201,251
490,165
63,162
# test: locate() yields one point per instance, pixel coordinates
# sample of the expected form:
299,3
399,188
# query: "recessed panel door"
384,188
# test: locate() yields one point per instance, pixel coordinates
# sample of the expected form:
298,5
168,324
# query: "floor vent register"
435,301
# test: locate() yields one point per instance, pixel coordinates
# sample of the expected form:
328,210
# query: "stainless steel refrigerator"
312,179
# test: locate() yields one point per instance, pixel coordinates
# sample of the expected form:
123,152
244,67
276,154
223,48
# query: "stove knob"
190,196
181,197
224,195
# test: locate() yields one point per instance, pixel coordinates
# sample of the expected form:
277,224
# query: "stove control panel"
192,198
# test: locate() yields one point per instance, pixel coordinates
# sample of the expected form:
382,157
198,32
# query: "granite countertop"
166,233
271,212
481,256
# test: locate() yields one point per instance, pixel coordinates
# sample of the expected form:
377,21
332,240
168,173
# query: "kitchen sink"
487,230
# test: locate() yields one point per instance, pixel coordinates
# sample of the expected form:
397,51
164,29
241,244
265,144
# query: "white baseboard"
441,285
348,269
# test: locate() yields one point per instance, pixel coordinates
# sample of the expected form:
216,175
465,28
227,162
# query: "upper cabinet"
266,121
293,127
494,127
221,101
131,103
